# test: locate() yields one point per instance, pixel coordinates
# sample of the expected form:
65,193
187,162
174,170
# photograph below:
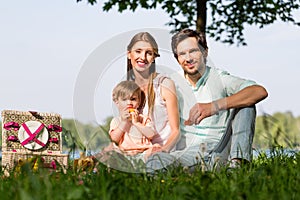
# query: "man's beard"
187,72
200,70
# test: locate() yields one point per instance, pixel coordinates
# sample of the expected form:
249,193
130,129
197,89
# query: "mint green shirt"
213,85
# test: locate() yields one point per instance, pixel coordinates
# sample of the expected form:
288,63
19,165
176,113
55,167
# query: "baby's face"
128,102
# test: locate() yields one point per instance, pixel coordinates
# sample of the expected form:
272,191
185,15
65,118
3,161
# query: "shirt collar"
201,81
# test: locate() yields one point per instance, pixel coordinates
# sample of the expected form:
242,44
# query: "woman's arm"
170,97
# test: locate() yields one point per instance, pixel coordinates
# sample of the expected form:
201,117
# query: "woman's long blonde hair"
146,37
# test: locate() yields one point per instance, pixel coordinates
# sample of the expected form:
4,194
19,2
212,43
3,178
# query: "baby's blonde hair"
125,89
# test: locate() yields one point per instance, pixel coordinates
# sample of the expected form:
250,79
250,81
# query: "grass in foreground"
274,177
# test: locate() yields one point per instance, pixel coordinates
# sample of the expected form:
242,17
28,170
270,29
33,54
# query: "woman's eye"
150,53
181,54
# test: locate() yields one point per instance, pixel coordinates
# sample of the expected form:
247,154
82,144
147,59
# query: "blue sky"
45,44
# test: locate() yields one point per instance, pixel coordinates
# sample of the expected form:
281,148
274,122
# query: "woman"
161,101
161,107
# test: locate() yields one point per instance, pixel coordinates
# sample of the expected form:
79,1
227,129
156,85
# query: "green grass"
275,177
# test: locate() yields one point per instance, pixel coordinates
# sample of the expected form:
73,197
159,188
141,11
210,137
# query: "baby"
130,131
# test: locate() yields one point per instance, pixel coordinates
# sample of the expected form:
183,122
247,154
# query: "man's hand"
200,111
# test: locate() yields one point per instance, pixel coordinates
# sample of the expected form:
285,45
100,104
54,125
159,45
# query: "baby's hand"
156,145
134,115
125,115
156,148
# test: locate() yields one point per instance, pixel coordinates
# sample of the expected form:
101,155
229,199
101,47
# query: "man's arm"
246,97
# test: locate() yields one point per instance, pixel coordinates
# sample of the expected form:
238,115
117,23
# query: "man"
217,110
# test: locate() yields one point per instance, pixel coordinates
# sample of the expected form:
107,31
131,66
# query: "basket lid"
33,135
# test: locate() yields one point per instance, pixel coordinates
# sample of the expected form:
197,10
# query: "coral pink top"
133,142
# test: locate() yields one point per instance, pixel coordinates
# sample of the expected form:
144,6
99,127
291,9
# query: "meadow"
272,176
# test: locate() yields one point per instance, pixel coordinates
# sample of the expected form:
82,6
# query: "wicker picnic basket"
31,134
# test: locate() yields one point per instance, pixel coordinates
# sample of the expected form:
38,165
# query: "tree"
228,18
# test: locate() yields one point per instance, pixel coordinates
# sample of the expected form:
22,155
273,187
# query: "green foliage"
228,18
280,129
275,177
84,137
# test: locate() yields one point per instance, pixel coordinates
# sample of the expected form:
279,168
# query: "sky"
49,52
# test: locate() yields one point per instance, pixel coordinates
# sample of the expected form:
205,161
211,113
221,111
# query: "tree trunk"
201,15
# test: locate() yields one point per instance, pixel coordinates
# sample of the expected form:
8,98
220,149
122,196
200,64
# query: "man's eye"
194,50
